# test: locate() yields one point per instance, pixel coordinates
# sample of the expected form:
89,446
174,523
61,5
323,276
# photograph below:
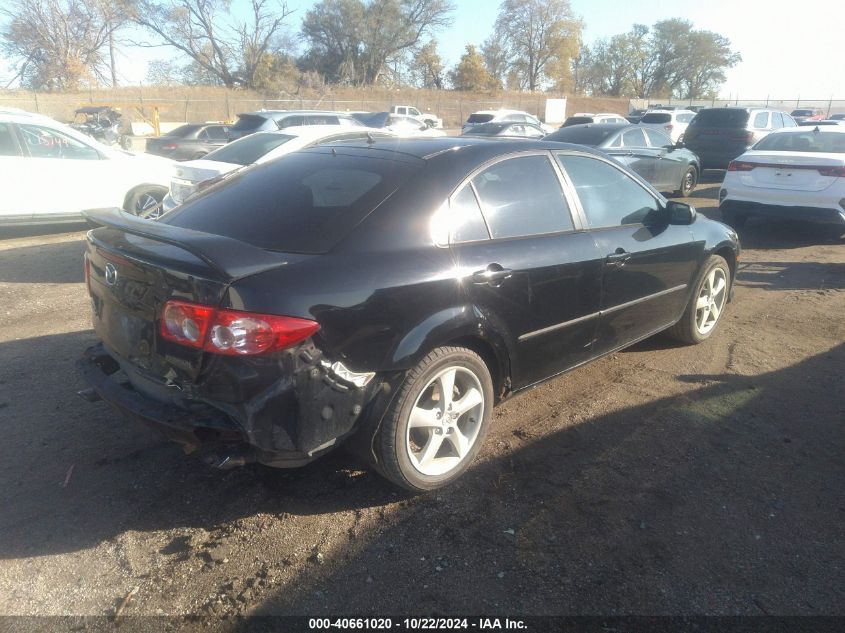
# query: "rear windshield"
578,120
479,118
805,140
593,135
489,129
184,130
656,117
302,203
248,122
803,113
249,149
721,117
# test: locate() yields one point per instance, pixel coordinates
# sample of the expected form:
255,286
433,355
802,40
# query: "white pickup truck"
427,118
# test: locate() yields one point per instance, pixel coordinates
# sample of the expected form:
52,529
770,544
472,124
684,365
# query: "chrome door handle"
618,258
492,274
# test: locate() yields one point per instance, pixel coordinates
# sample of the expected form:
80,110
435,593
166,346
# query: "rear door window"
44,142
522,196
305,202
217,132
466,224
248,123
777,120
608,196
657,117
633,138
291,121
657,139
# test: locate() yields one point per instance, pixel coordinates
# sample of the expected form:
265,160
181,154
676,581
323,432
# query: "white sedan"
194,175
50,173
793,173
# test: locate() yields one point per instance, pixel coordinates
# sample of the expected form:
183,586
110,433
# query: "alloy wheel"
711,300
148,207
445,421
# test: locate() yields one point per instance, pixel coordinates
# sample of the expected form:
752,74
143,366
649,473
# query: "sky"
787,52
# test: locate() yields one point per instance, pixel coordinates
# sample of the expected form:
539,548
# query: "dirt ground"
661,480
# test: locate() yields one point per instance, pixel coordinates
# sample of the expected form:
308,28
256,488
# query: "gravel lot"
661,480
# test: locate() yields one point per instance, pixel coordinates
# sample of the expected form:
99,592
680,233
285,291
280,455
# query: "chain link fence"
827,106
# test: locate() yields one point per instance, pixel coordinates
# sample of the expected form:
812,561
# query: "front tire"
707,303
436,426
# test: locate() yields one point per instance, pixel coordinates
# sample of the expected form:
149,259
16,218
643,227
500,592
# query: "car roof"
292,112
473,149
318,131
502,111
822,129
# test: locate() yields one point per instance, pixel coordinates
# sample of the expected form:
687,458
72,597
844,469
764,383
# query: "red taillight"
741,165
232,332
186,323
744,136
836,172
669,127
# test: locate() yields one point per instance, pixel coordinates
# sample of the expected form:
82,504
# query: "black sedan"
507,130
650,153
189,142
387,294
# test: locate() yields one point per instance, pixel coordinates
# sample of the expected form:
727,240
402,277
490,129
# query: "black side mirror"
680,213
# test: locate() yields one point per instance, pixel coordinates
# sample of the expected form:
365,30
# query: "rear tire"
145,202
707,303
426,440
688,182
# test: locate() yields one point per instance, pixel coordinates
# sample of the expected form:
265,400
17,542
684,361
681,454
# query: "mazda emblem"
111,274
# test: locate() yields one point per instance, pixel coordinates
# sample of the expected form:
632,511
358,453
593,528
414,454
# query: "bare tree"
223,48
60,44
353,41
427,66
539,35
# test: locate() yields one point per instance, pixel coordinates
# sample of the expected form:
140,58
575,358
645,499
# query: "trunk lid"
135,266
785,170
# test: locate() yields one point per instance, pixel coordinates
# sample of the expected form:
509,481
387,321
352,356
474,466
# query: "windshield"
479,118
249,149
305,202
578,120
804,141
592,135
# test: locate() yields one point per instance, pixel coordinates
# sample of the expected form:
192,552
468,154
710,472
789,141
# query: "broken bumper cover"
226,439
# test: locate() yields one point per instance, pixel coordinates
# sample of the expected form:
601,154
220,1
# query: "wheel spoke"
429,451
720,286
447,388
423,418
711,278
472,398
714,312
459,441
702,302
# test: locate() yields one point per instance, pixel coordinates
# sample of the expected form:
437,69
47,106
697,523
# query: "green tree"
471,73
427,66
540,37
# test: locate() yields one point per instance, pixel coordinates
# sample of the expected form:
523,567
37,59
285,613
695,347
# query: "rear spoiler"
228,257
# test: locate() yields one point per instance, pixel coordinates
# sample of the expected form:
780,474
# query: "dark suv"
718,135
272,120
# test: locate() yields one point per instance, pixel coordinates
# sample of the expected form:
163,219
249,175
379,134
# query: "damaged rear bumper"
233,435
